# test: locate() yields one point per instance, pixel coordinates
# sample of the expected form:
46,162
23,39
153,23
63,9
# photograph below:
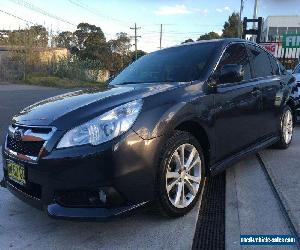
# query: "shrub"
74,68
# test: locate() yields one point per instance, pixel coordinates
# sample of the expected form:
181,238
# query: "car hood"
71,109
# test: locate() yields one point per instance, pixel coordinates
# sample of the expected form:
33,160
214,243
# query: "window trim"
218,62
245,43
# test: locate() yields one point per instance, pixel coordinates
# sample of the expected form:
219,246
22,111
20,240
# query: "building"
275,26
273,29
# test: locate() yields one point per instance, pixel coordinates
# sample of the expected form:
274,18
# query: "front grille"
79,198
31,148
42,130
102,197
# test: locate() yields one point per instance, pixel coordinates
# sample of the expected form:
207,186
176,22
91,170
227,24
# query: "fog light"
102,196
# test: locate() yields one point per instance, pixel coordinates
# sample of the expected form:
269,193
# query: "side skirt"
222,165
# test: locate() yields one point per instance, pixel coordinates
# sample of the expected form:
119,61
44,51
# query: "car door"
266,72
237,106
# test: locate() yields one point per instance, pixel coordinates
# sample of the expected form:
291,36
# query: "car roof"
223,41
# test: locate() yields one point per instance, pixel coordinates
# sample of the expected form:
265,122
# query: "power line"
97,13
20,18
41,11
135,38
173,33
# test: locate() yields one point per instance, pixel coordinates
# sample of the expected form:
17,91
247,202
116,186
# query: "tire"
286,129
190,182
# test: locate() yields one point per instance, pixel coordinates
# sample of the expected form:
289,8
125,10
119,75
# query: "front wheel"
286,129
181,175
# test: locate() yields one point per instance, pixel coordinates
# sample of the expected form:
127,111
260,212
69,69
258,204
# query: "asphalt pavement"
24,227
251,207
15,97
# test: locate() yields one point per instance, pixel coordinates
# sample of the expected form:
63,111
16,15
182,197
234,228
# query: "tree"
188,41
140,53
121,45
25,46
90,42
231,26
120,51
65,39
36,35
209,36
39,35
4,34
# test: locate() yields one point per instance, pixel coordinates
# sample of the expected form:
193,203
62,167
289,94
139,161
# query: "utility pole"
160,38
51,37
135,38
255,11
240,23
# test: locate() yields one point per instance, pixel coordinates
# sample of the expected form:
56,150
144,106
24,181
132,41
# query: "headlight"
104,127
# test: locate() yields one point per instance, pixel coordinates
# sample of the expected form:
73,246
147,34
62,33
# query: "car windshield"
177,64
297,69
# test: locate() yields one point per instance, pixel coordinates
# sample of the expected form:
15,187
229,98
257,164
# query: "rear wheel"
286,129
181,176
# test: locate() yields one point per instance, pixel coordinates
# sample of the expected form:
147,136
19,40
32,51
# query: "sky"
181,19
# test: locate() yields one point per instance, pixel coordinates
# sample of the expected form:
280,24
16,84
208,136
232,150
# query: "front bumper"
126,165
79,213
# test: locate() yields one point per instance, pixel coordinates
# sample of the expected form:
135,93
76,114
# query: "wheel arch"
290,102
199,132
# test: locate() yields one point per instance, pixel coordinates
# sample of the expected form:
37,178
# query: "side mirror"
231,73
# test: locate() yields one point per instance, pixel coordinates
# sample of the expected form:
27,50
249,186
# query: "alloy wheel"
183,175
287,126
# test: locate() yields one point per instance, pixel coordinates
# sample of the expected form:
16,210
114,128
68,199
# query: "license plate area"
16,172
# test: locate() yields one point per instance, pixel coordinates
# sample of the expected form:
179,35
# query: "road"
251,207
23,227
14,97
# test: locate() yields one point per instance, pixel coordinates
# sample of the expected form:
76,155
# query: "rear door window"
260,62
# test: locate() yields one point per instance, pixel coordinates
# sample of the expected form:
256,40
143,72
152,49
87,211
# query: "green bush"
74,68
54,81
38,74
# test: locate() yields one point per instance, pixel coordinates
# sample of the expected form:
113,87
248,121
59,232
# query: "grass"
54,81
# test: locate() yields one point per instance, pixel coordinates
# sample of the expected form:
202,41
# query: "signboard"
271,47
277,49
291,41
